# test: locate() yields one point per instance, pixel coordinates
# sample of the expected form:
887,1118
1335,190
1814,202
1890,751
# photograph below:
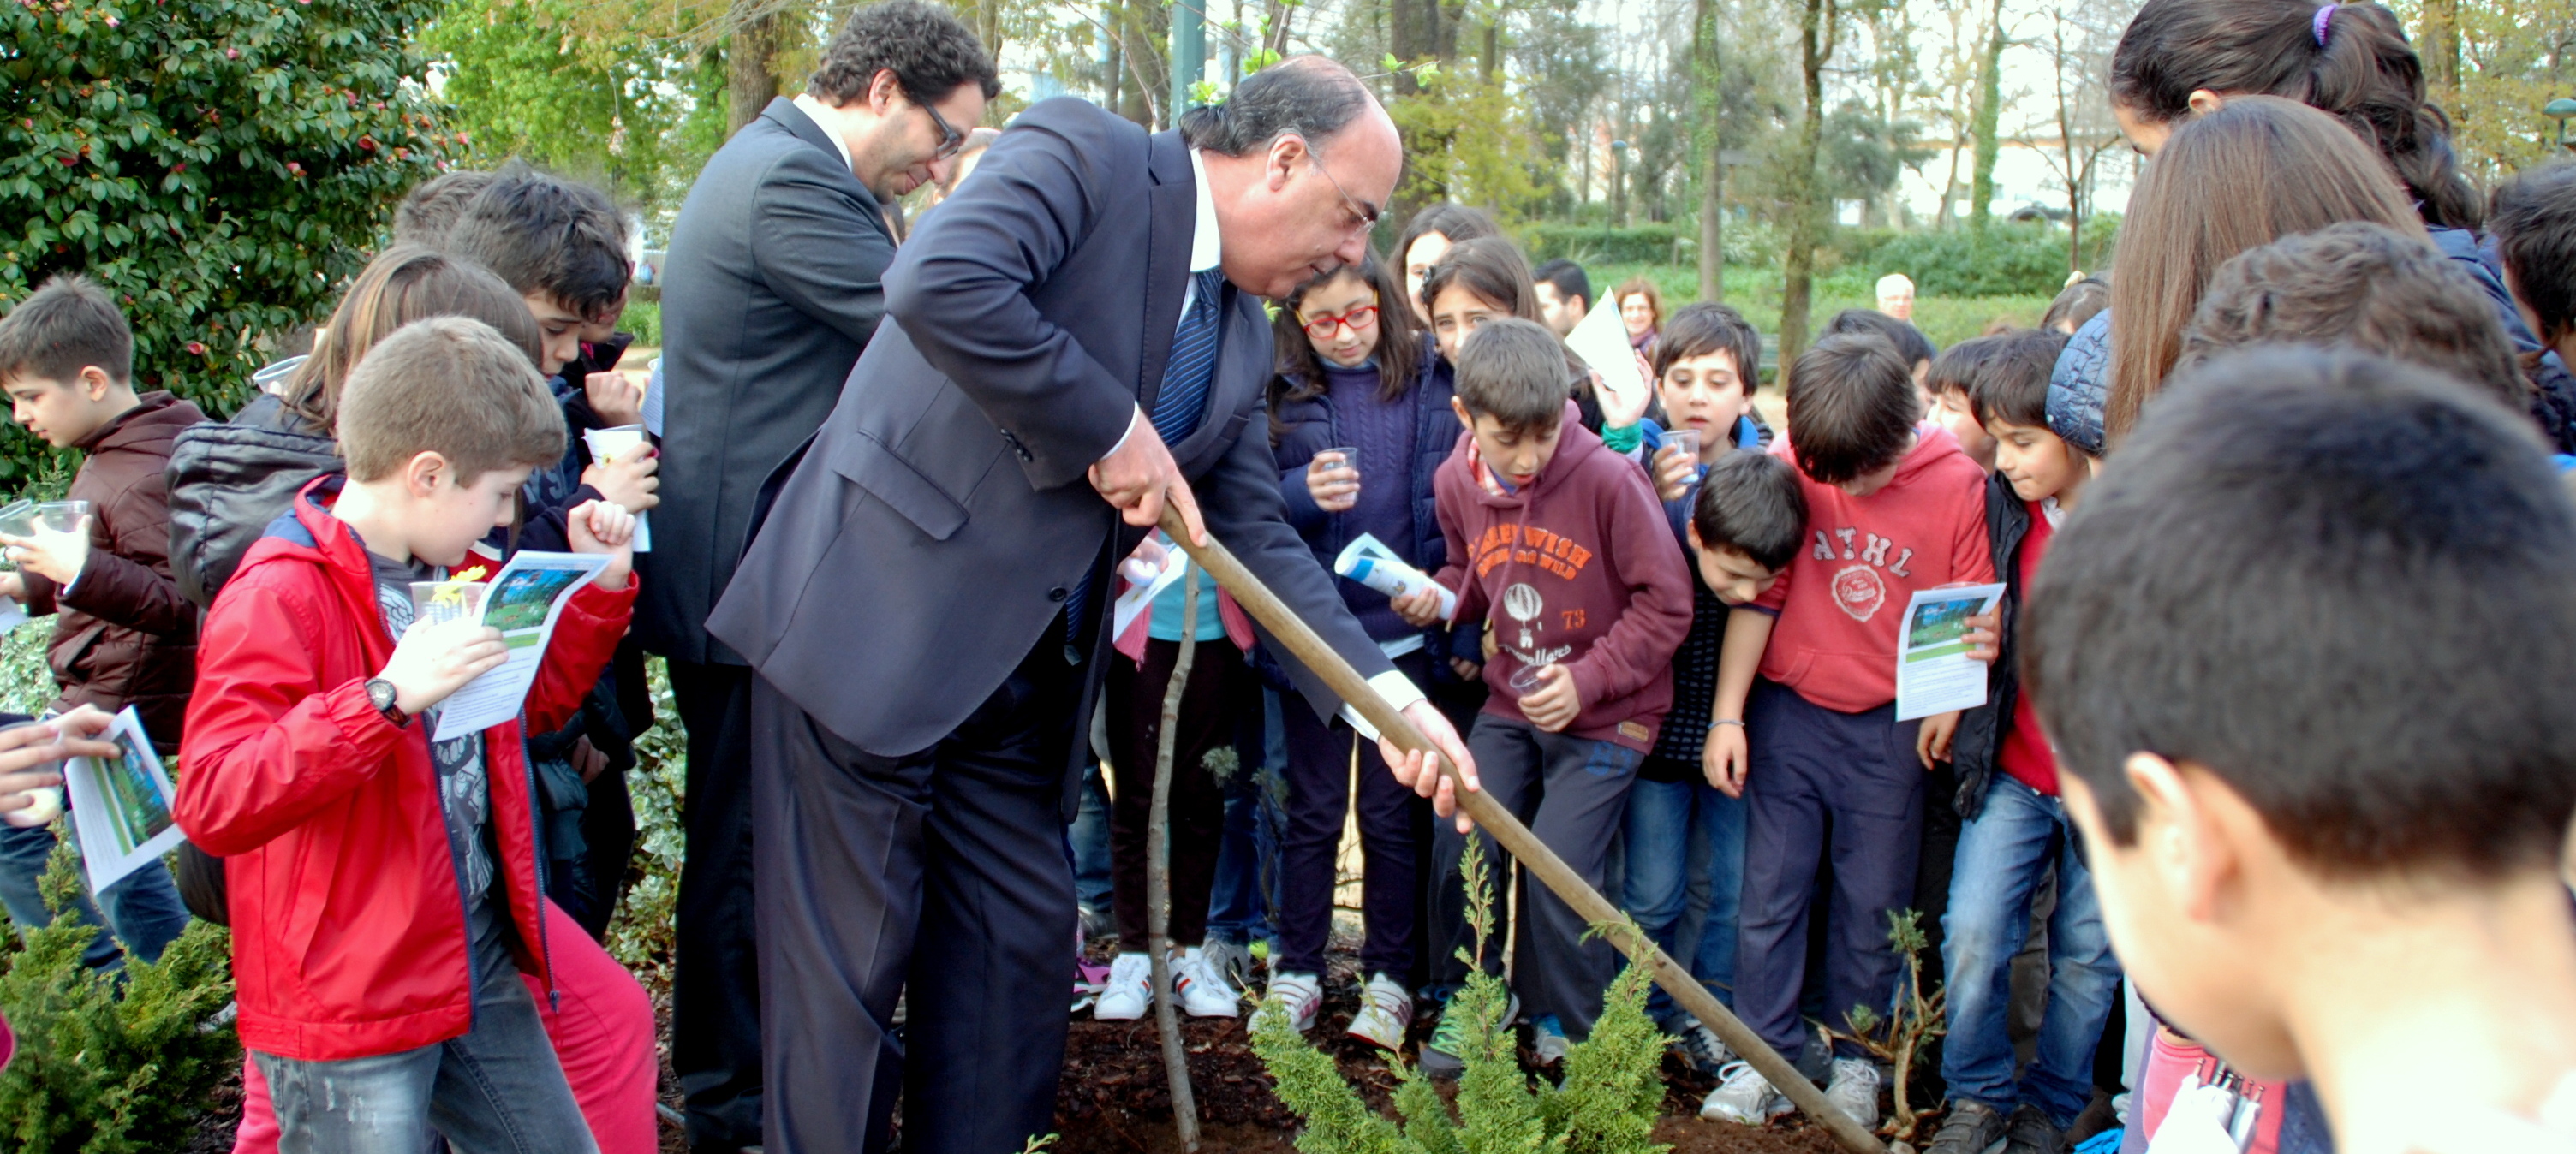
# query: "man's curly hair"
927,49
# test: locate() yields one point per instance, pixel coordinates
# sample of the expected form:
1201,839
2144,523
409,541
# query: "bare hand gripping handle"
1542,863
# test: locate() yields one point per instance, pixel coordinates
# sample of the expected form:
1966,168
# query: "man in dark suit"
772,287
1077,338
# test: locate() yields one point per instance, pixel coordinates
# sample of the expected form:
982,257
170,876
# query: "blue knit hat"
2076,388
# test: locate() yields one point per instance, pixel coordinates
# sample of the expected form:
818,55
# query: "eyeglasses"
1322,328
1358,208
950,140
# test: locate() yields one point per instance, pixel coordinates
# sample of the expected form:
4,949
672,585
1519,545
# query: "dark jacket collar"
1174,200
800,125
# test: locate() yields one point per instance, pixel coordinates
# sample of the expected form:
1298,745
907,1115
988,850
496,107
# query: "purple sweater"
1383,432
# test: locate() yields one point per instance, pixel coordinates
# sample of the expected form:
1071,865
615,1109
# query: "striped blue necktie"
1178,405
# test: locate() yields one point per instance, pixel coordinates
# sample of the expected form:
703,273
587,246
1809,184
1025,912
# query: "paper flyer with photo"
121,806
1934,673
1601,339
522,601
1368,561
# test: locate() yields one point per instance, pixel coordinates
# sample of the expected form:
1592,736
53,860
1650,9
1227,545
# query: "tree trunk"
984,19
1806,220
1158,866
1989,112
1708,74
749,84
2442,46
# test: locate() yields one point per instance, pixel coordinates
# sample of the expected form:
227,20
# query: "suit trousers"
715,987
938,878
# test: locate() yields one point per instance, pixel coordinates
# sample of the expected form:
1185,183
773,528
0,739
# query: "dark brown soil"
1116,1099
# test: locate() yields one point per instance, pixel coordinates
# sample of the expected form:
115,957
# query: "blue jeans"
1090,839
142,910
2002,855
497,1088
1682,835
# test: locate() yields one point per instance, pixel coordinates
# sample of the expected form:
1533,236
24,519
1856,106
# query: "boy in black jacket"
2016,825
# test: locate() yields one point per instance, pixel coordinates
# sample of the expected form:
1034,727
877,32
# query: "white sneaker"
1298,997
1744,1096
1129,992
1854,1090
1386,1010
1203,992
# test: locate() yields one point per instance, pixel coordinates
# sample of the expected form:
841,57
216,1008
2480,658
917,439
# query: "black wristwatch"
381,694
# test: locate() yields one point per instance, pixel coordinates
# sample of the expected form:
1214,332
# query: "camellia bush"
220,166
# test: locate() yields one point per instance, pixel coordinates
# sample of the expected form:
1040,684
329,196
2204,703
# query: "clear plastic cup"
1349,459
61,516
1687,440
437,602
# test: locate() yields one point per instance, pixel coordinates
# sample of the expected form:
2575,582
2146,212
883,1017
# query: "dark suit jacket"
772,286
931,534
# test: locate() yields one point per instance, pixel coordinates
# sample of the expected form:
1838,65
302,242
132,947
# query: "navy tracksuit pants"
1820,782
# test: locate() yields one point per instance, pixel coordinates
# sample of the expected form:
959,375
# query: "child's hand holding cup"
605,527
1333,478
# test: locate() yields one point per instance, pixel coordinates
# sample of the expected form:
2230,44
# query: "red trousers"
602,1028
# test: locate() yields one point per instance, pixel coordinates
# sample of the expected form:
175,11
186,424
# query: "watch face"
381,693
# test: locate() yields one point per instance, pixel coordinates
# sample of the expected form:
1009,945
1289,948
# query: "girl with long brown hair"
2256,170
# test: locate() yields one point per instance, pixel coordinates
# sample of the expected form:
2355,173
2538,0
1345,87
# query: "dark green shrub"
1593,243
1607,1104
2005,259
111,1063
221,166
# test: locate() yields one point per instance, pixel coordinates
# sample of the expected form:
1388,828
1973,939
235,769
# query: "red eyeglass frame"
1333,323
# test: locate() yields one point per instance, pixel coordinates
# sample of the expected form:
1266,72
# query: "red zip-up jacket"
348,911
1579,568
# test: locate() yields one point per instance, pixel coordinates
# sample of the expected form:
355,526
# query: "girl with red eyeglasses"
1359,423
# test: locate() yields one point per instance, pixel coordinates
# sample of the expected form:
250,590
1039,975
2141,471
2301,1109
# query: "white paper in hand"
1368,561
1934,673
524,599
1602,341
121,805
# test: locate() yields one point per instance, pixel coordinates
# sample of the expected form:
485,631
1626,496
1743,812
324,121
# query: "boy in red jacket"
1563,543
1892,507
384,886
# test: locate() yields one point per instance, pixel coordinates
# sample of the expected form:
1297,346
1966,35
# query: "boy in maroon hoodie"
1892,507
1560,547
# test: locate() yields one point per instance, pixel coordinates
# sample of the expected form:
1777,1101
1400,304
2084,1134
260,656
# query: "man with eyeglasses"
1080,341
773,285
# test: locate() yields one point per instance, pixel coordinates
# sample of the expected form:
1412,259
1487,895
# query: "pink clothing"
1840,600
2170,1059
602,1028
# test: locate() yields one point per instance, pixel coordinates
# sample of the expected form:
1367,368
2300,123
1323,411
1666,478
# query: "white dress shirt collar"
1207,248
819,111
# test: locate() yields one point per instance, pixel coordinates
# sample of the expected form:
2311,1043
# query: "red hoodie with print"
1840,600
1579,569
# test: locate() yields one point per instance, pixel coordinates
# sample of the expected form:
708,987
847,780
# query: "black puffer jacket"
1981,730
229,480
